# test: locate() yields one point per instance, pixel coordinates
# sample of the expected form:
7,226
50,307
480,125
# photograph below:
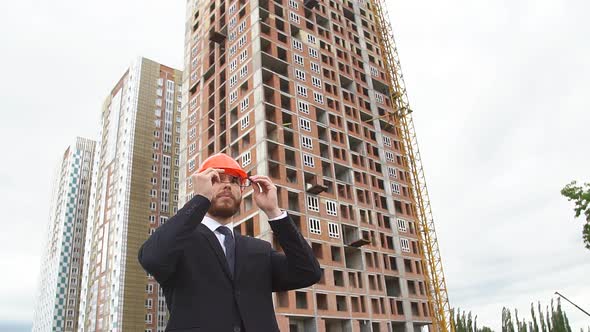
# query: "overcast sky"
499,91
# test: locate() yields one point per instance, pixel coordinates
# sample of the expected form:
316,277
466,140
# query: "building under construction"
307,92
310,93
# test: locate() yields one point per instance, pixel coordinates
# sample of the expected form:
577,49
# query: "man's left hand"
265,195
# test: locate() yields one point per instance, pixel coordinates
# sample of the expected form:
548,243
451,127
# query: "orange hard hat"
225,162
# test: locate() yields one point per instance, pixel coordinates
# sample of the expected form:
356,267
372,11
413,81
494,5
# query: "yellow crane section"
401,118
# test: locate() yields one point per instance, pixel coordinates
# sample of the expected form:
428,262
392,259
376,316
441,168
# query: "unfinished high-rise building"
296,90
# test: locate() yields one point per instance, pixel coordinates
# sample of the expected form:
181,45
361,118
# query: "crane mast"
401,118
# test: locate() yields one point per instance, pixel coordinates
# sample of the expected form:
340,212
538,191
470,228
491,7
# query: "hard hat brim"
235,172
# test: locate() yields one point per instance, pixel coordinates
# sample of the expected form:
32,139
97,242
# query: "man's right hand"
203,182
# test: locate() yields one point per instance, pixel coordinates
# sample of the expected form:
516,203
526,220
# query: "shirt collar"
212,224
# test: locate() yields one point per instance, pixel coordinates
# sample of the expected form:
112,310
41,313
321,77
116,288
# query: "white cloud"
60,60
19,279
499,92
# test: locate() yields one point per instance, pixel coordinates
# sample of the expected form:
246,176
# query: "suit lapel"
241,251
214,243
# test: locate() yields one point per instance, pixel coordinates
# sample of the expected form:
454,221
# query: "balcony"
313,185
354,238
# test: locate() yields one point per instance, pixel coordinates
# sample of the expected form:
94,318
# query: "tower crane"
400,117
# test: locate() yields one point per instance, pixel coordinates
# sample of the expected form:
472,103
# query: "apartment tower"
134,191
296,90
56,307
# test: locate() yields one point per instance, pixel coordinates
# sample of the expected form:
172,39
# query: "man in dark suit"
213,279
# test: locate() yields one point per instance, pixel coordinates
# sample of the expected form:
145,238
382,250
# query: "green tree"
542,319
581,197
520,326
548,321
507,324
559,319
465,323
534,326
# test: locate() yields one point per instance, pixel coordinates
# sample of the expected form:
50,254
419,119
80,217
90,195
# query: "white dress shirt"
213,224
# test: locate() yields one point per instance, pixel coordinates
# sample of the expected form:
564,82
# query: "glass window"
314,226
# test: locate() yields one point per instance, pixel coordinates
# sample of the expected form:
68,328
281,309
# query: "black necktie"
230,247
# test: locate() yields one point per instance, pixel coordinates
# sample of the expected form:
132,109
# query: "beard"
225,207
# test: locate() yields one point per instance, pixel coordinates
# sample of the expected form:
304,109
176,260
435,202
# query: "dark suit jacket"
187,260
